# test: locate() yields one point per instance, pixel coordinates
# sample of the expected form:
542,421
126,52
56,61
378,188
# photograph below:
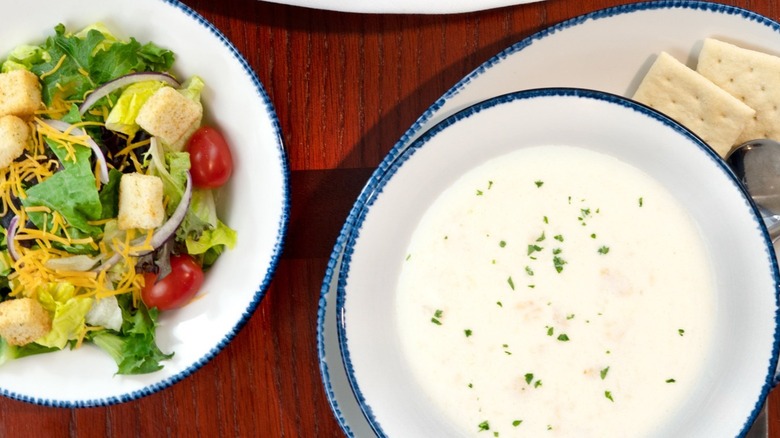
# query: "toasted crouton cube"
14,135
140,202
23,320
20,93
171,116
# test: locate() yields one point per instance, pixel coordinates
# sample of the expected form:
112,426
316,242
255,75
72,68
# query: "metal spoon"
757,165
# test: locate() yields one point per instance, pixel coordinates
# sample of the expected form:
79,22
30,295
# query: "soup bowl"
738,360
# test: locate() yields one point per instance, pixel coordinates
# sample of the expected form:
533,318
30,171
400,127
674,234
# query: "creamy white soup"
556,291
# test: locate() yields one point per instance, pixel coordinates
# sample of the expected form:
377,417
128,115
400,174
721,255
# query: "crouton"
140,202
171,116
23,320
20,93
14,136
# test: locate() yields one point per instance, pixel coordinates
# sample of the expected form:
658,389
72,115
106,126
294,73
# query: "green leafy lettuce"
133,348
69,314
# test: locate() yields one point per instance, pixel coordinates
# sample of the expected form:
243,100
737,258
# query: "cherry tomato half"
210,158
177,288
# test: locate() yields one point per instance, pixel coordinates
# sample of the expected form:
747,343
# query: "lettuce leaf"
88,52
133,348
69,310
71,191
221,235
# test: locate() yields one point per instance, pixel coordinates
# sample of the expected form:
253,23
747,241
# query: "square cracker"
694,101
751,76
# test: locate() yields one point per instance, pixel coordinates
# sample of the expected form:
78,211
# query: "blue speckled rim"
365,205
263,287
334,264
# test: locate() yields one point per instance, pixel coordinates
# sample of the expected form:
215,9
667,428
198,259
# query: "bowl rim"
375,186
278,247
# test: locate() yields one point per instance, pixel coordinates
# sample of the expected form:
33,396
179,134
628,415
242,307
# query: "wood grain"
345,87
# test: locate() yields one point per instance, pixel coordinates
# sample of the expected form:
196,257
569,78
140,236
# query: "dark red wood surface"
345,87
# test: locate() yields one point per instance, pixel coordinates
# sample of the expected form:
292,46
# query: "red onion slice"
61,126
10,238
122,82
162,234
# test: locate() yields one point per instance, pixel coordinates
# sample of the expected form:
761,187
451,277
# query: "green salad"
108,192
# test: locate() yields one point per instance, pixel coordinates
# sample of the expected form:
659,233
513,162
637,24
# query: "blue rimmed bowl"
255,202
739,368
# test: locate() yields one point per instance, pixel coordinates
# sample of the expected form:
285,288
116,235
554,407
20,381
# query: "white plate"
404,6
255,202
606,50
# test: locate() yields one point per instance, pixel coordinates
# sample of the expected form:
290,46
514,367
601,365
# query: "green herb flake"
531,286
641,201
529,377
558,263
408,256
681,332
479,192
511,282
539,183
593,236
557,251
550,331
570,316
495,434
471,385
490,185
558,237
537,384
502,244
563,337
608,394
604,249
517,423
529,271
604,373
436,319
483,426
499,304
540,238
546,220
534,248
467,332
670,380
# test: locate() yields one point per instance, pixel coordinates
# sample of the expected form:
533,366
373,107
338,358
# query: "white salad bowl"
255,202
740,364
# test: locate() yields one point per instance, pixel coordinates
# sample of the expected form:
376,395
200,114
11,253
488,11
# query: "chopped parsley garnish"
550,331
604,373
484,426
570,316
531,286
471,385
517,423
641,201
558,263
546,220
529,377
563,337
604,249
499,304
585,212
593,236
540,238
490,185
680,332
558,237
670,380
408,256
534,248
608,394
557,251
511,282
479,192
537,384
539,183
437,316
529,271
502,243
467,332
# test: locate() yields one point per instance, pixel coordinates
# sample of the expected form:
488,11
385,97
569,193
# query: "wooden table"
345,87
